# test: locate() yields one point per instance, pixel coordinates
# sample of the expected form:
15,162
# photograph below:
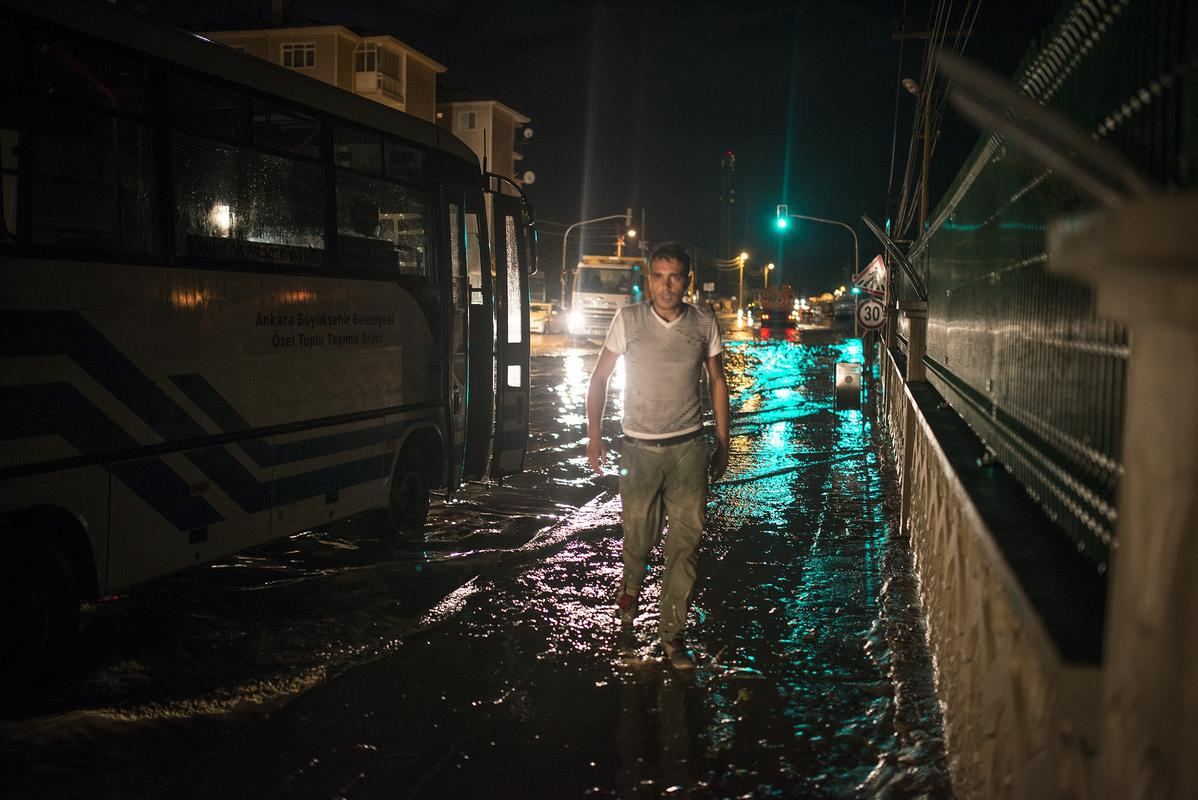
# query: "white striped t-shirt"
663,362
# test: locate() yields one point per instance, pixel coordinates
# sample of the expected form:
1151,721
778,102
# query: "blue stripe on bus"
207,399
253,495
153,480
201,392
210,401
53,333
338,476
59,409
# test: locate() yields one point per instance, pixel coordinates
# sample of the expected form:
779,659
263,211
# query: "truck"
602,284
778,306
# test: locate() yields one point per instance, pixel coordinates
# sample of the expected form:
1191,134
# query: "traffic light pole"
626,216
834,222
740,289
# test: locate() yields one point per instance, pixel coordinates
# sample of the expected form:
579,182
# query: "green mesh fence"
1020,353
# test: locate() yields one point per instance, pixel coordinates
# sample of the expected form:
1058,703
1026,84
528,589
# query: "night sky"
634,103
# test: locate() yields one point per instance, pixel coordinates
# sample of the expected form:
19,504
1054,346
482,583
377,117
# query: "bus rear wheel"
407,505
39,612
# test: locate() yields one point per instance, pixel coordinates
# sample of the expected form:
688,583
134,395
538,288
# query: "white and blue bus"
235,303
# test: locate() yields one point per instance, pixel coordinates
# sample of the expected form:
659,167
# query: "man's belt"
679,439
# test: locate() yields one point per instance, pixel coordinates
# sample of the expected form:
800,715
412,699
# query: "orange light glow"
189,299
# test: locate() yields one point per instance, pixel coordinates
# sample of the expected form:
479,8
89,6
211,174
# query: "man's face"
668,280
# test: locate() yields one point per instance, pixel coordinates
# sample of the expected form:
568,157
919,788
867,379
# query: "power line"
930,108
894,129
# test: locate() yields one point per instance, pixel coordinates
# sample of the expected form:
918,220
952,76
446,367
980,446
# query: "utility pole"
926,96
727,200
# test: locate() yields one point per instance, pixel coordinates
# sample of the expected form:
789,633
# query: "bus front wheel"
407,505
39,611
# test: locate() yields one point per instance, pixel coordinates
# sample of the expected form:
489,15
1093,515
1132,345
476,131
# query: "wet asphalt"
483,660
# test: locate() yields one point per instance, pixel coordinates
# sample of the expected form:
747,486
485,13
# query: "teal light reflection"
851,350
799,526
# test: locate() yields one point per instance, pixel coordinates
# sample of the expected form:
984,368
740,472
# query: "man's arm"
719,408
596,404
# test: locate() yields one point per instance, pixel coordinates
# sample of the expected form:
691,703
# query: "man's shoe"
625,605
678,655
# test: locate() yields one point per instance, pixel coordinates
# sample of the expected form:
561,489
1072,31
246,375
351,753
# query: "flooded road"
484,661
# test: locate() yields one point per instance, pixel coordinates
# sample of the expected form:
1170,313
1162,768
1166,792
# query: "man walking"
666,344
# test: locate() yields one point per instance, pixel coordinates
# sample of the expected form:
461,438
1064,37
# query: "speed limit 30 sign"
871,314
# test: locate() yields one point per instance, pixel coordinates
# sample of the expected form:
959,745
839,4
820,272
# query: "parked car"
545,317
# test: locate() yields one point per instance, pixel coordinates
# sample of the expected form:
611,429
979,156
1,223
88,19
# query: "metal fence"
1019,352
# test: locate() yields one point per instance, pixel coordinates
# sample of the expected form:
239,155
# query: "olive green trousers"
659,484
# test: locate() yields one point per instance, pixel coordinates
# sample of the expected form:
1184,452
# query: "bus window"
516,290
73,74
89,158
93,181
281,128
404,162
13,57
13,63
455,253
232,115
9,143
381,227
474,264
354,148
236,204
209,110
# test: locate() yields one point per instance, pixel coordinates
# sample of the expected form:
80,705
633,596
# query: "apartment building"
490,128
377,66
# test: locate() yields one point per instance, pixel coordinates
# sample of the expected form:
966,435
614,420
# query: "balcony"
379,86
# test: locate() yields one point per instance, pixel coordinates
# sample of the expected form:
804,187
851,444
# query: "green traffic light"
783,222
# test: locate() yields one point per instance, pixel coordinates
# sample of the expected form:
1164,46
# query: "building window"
366,58
298,55
467,120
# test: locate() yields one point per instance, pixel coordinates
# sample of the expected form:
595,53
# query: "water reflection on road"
483,660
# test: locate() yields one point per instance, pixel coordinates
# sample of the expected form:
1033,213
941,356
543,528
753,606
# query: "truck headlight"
576,322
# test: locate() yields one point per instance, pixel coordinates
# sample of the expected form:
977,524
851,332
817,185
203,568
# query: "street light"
765,276
782,210
628,231
740,289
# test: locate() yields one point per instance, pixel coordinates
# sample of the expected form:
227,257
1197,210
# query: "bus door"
480,386
511,335
458,337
